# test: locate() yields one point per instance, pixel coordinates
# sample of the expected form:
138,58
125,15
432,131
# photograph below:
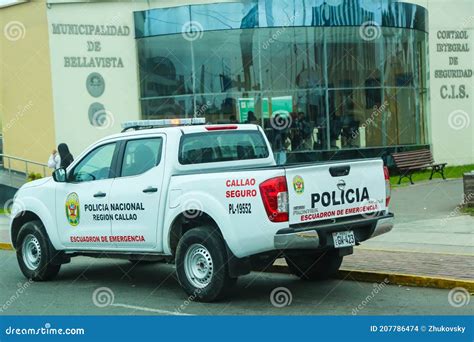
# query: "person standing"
54,161
305,130
60,158
278,142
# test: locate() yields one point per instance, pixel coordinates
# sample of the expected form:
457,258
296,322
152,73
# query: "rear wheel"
314,266
201,264
35,253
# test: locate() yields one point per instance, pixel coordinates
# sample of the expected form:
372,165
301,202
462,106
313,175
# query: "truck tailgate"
334,190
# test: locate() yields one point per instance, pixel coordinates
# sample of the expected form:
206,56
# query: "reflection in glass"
291,58
225,16
354,123
402,121
334,89
352,61
231,66
168,107
165,66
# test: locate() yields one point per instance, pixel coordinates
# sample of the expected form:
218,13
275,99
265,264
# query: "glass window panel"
221,146
403,128
168,107
224,16
226,62
352,61
165,66
96,165
292,58
298,116
140,156
230,108
405,57
283,13
161,21
352,123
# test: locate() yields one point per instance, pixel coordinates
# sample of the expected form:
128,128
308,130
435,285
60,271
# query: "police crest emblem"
72,209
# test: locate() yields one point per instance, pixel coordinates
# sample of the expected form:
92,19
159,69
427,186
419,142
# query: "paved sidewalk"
4,230
413,263
428,219
430,237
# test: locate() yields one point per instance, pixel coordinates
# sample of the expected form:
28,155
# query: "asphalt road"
153,290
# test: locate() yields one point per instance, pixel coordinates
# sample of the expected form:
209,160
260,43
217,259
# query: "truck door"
136,192
82,213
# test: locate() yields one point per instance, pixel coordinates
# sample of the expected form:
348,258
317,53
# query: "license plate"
343,239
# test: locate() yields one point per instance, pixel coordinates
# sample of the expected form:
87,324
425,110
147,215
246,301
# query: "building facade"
341,78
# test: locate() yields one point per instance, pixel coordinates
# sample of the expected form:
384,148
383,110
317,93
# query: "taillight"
274,194
388,187
220,127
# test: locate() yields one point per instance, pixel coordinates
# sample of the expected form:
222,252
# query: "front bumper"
320,236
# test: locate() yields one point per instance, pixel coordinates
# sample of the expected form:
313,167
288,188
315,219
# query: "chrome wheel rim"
31,251
198,265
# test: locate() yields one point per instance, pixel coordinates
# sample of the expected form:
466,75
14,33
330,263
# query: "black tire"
214,255
32,235
315,266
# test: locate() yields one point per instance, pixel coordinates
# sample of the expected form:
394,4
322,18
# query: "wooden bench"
409,162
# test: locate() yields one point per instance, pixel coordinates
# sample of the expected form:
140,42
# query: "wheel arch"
183,223
18,222
28,215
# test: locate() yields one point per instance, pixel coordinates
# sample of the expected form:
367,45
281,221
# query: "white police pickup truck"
208,197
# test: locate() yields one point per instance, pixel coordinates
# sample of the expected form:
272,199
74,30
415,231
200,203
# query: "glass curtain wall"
332,88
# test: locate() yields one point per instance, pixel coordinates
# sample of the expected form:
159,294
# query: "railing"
26,161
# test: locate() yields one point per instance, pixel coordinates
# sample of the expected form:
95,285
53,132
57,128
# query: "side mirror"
59,175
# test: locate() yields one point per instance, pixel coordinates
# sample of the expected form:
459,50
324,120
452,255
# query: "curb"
6,246
394,278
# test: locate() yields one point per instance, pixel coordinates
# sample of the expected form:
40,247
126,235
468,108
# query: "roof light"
140,124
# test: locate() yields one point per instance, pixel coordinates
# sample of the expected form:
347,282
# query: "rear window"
220,146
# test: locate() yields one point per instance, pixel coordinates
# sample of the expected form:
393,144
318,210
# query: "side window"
95,166
140,156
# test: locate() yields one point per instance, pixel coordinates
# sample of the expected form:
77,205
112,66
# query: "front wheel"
314,266
201,264
35,252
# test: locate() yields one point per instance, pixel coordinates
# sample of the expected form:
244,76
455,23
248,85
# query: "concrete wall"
26,107
452,99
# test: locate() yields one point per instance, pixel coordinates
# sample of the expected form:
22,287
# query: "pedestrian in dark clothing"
65,155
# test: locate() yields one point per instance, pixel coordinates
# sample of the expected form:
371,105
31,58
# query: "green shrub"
34,176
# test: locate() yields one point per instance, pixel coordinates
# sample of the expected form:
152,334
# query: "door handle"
150,189
100,194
